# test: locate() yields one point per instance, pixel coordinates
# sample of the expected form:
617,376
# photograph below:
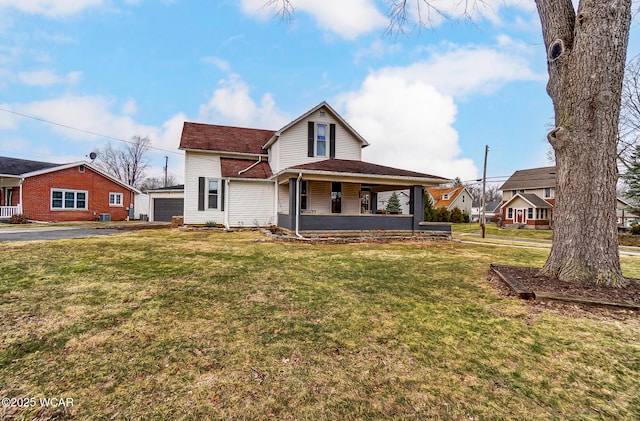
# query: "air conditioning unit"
104,217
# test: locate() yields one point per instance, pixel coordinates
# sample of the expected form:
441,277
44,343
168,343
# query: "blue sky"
428,100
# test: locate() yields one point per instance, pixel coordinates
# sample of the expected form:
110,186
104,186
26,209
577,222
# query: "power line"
82,130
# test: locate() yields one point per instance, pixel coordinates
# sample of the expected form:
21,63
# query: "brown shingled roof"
209,137
360,167
534,178
438,195
245,168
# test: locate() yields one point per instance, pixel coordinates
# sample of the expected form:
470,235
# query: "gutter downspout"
298,206
276,199
227,192
250,166
20,204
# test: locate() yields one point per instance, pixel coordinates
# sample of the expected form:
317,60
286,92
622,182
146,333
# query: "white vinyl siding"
199,165
283,198
250,203
350,198
320,196
291,148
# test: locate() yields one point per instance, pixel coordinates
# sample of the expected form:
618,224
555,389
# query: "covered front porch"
10,203
318,201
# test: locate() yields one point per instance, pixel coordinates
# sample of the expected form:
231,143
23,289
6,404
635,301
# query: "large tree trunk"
586,58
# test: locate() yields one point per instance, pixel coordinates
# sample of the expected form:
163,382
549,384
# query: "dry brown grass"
206,325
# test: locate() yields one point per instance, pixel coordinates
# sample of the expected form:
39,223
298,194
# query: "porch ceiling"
9,180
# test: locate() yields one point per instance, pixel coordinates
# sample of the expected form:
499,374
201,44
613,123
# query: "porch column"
293,192
416,205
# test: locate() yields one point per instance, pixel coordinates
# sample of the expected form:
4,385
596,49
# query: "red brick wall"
36,196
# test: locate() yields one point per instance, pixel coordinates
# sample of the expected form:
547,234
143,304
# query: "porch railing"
7,212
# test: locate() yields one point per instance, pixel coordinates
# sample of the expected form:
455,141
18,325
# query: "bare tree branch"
128,163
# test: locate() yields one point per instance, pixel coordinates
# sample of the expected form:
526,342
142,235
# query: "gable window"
547,192
115,199
304,196
212,194
321,140
445,196
336,197
68,199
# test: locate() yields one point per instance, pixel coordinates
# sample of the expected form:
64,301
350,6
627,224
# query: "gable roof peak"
334,113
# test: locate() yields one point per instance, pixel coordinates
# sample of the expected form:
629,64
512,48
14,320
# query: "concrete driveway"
50,233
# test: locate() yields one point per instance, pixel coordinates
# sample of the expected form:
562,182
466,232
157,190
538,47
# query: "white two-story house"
306,177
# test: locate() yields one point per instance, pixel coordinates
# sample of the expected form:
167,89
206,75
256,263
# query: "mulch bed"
527,283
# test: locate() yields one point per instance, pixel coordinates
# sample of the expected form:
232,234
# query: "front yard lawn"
168,324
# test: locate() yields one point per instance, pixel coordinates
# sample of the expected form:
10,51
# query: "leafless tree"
128,162
154,183
629,112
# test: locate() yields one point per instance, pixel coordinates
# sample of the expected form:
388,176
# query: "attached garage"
166,203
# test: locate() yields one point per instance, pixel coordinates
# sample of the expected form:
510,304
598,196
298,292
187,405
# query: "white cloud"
221,64
408,113
231,104
51,8
353,18
130,107
377,49
463,71
409,125
349,19
87,113
8,121
47,78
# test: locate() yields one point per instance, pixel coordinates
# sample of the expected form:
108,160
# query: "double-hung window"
321,139
115,199
212,194
68,199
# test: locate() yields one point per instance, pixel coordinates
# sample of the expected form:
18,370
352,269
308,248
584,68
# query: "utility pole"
166,168
484,190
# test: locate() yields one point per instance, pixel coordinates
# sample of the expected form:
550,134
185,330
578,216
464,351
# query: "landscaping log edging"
525,293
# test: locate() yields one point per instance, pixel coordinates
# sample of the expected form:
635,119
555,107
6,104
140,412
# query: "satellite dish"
93,156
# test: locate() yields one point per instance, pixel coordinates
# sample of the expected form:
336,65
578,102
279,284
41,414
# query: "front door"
520,216
365,202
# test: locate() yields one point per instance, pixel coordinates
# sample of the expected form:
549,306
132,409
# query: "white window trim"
75,199
206,194
115,204
326,139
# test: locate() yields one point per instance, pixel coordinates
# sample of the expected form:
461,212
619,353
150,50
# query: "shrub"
442,215
210,224
457,216
635,229
18,218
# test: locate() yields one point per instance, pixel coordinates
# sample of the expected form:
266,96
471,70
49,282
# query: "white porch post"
20,197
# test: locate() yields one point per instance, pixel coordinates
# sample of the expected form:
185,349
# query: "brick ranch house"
62,192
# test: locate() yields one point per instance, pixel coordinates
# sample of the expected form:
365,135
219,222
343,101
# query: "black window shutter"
200,193
222,184
310,138
332,141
